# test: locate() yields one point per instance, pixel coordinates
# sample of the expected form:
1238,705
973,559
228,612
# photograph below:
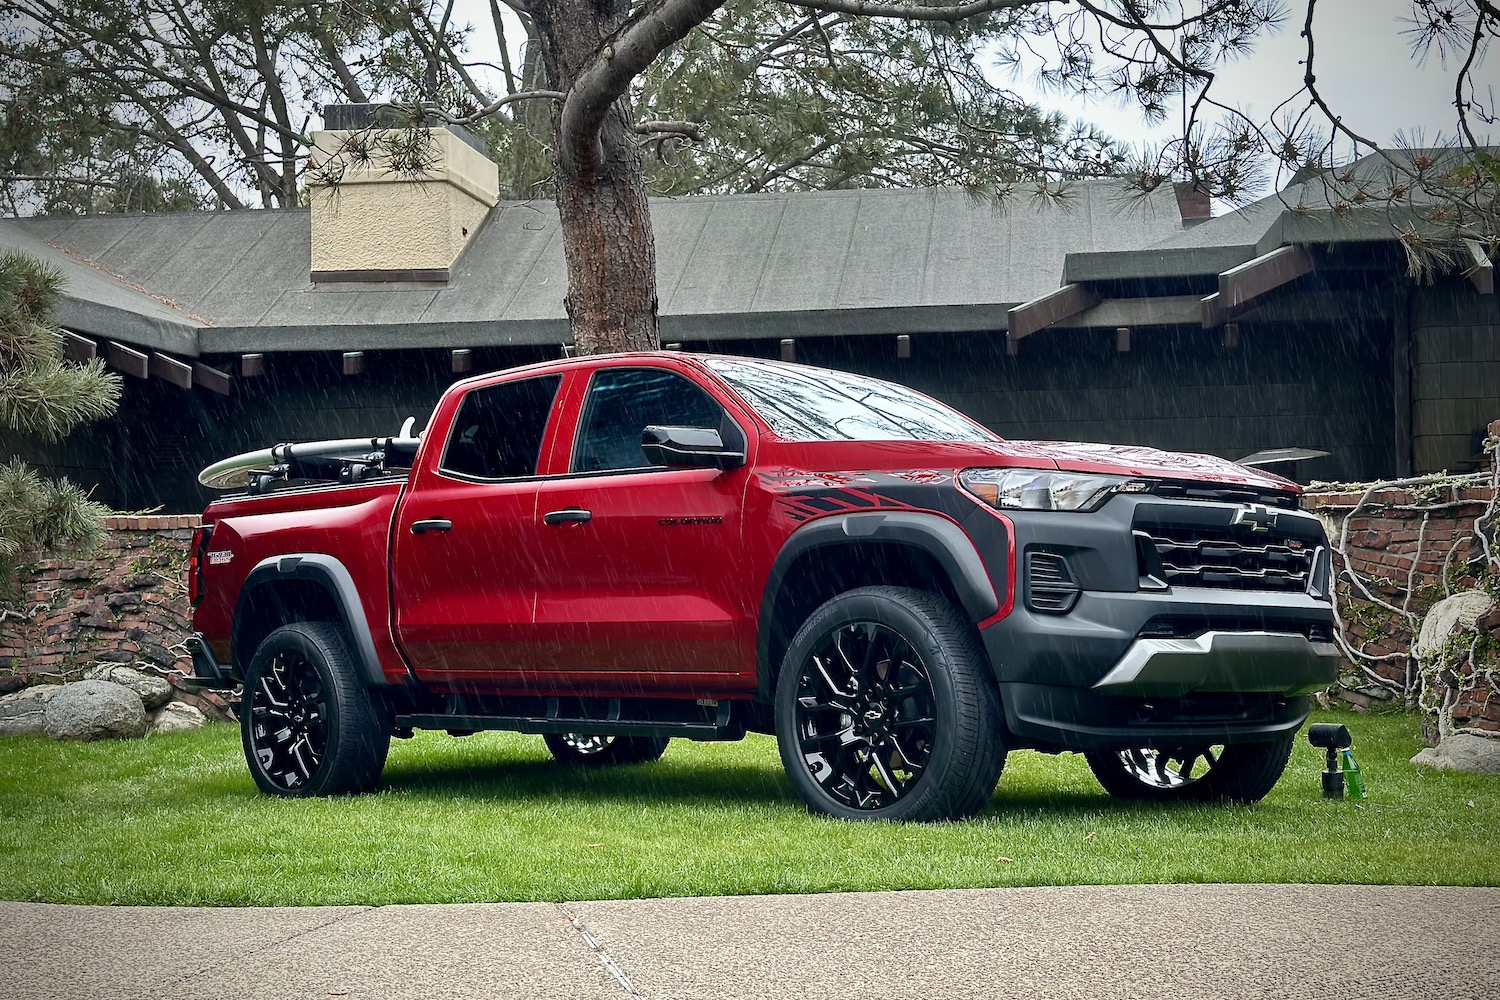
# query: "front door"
640,565
463,565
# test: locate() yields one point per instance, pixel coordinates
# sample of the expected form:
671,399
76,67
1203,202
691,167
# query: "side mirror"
692,447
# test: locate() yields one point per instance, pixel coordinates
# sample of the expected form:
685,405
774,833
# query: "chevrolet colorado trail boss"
613,551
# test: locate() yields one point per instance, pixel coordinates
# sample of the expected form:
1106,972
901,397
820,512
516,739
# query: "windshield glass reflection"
816,404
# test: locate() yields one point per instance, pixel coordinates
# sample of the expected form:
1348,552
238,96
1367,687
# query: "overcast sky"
1364,66
1365,70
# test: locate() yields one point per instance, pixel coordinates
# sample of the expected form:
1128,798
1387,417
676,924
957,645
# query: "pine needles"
43,396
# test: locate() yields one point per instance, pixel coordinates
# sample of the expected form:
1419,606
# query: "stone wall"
1400,549
126,603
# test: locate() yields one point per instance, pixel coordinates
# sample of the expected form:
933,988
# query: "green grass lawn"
175,819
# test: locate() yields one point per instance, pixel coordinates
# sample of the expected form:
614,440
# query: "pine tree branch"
605,80
907,12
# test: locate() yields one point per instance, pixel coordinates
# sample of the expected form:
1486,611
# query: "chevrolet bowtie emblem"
1257,517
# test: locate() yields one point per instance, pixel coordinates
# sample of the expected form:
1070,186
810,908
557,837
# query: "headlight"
1033,489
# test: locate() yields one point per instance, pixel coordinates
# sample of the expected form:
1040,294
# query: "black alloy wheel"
288,711
866,715
594,750
885,709
308,724
1236,773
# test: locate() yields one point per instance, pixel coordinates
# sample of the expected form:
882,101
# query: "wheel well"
272,605
825,572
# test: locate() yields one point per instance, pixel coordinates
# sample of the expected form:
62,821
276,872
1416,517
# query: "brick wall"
1411,548
125,602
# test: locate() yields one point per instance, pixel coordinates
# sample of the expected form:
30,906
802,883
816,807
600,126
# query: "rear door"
464,576
640,566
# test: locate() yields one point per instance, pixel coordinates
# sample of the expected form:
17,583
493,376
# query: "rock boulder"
22,712
176,717
1463,752
95,710
154,691
1451,614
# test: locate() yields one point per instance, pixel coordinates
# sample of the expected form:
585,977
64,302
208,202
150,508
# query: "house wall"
1326,388
1321,387
1456,374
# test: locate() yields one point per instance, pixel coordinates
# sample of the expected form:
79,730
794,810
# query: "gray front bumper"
1223,661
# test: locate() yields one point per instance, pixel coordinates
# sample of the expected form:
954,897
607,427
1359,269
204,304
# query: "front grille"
1210,556
1190,626
1202,708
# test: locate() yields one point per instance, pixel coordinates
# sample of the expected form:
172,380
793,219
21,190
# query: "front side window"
499,428
816,404
623,402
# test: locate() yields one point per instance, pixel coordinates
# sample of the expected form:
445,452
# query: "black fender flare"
330,574
932,533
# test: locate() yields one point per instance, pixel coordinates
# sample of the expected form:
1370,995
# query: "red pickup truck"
613,551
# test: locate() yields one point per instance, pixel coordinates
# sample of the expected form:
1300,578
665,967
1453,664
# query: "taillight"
195,563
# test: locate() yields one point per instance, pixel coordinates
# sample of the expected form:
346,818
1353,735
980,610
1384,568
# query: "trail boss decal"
667,522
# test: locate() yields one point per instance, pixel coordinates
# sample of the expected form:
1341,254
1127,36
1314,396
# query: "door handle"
431,524
569,515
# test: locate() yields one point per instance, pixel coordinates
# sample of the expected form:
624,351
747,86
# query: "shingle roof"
766,265
1302,212
102,303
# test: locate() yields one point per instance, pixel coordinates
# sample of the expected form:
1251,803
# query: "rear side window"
622,402
498,431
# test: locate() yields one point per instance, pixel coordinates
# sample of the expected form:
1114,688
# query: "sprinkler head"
1331,739
1328,736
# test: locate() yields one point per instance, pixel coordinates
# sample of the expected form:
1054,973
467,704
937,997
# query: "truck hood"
1133,460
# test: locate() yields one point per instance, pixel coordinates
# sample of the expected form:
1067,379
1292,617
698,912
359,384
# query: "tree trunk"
601,192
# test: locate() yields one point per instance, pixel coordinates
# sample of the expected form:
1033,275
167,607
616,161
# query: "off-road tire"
617,750
1244,772
353,734
964,750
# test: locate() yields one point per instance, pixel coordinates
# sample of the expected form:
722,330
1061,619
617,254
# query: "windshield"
816,404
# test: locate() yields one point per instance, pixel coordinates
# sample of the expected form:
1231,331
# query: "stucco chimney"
378,220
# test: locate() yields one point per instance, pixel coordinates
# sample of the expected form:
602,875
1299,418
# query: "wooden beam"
1040,313
788,349
463,360
1122,339
354,362
171,370
903,345
127,360
1231,335
1238,286
211,378
252,365
78,349
1481,270
1210,314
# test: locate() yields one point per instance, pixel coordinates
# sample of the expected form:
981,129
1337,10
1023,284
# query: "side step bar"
724,726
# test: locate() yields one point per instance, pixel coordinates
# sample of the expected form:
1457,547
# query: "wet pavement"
1135,942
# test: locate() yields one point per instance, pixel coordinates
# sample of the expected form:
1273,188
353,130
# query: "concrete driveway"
1135,942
